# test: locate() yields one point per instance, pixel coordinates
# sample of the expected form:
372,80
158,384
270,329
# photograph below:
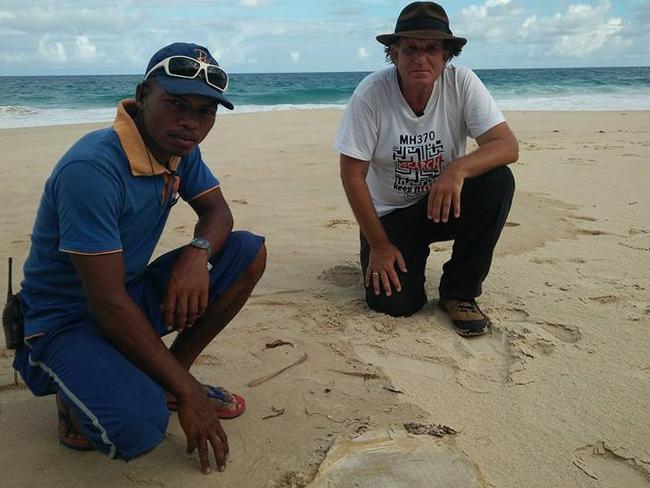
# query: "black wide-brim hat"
422,20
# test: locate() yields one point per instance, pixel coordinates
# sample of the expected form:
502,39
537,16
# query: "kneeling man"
95,309
408,178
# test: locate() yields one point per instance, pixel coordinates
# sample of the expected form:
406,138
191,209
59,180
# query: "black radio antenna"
9,291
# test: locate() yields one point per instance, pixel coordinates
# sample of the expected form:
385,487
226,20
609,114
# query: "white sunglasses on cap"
189,68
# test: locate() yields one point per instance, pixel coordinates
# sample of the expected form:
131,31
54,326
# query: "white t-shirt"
406,152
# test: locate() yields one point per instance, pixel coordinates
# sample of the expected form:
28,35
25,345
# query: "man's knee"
257,267
399,304
501,181
250,245
247,245
125,429
139,429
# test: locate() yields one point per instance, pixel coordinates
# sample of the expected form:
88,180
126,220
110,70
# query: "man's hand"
199,420
187,291
444,195
381,268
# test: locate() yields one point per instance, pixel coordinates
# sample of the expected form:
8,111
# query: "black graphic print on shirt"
418,161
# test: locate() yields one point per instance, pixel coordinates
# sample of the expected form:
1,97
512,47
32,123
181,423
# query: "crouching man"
95,309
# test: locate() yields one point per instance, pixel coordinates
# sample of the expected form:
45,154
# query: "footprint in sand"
481,365
515,314
343,275
612,466
533,339
565,333
487,361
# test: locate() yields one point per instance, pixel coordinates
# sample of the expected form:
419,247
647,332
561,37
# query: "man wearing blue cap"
95,308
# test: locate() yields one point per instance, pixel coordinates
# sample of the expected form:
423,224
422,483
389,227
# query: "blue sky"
118,37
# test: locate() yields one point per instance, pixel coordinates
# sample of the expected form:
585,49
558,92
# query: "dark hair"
452,48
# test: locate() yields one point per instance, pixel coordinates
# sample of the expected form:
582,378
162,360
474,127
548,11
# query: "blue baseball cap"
186,86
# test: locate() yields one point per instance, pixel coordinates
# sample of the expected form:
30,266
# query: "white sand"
557,395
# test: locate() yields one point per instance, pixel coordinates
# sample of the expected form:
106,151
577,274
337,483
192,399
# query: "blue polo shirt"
107,194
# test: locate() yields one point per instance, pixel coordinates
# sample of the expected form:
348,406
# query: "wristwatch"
201,243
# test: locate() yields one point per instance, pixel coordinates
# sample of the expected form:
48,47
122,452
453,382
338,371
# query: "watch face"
200,243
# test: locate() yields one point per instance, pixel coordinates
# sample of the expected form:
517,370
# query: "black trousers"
485,203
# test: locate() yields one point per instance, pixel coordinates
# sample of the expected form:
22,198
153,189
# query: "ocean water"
50,100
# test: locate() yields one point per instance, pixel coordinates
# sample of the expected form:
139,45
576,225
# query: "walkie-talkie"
12,317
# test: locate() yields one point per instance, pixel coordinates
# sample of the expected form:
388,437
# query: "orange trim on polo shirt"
204,192
141,161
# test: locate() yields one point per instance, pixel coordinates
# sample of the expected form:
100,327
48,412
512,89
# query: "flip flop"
220,394
68,433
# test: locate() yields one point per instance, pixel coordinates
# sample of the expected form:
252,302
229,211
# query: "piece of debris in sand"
309,414
428,429
278,343
276,413
360,374
392,390
261,380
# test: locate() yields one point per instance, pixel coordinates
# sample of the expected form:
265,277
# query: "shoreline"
106,122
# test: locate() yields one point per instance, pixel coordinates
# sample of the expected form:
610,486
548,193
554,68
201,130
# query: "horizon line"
325,72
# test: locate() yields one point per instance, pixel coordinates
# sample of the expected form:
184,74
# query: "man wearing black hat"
409,180
95,308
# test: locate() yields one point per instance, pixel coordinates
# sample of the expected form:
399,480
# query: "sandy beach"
557,395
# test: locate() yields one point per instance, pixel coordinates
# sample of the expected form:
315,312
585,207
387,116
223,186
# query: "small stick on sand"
585,471
261,380
278,343
365,376
309,414
392,390
276,413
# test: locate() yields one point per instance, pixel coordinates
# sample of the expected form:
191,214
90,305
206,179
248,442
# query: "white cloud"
6,15
71,18
581,30
13,58
295,56
51,51
494,20
327,34
251,3
86,50
514,33
496,3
